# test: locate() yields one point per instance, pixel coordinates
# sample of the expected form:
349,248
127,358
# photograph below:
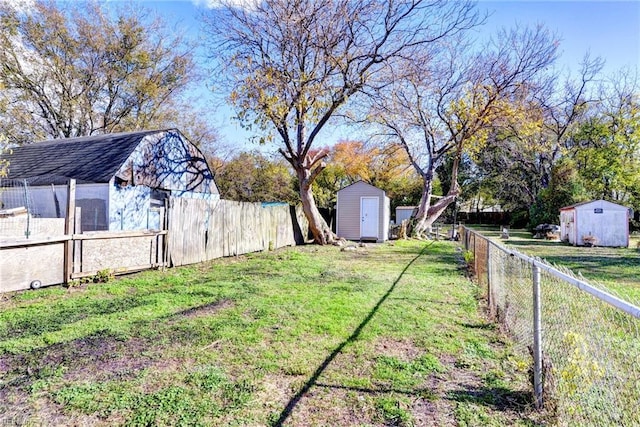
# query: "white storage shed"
597,222
363,213
404,212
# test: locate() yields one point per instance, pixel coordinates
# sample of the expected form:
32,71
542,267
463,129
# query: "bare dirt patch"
44,413
96,357
327,405
428,406
274,391
404,350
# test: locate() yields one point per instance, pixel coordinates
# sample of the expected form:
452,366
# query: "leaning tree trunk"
419,227
428,213
321,232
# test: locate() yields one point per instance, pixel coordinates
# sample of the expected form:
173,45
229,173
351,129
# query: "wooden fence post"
77,244
167,225
69,226
475,255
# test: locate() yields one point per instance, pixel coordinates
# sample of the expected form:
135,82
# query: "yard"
390,334
616,268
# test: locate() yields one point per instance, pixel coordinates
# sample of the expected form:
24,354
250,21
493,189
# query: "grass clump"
393,412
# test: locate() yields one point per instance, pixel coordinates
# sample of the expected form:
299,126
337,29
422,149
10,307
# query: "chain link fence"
17,209
586,339
37,207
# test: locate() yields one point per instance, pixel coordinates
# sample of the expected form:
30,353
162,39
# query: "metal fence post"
69,230
475,254
489,289
28,206
537,337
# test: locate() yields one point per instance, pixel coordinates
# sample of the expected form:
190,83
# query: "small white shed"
404,212
598,222
363,213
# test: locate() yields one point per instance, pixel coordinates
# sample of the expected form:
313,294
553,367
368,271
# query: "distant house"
597,222
363,213
121,178
481,211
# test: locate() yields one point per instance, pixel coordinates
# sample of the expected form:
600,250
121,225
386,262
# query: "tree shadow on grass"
379,390
488,326
104,352
57,317
313,380
499,398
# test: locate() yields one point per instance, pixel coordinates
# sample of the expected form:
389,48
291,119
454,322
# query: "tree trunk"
428,213
322,233
419,227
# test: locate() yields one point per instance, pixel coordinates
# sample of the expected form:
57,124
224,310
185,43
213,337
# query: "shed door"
369,216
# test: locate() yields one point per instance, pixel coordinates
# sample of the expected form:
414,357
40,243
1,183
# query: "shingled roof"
89,159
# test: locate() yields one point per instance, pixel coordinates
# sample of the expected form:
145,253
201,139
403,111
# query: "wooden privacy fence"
55,252
201,230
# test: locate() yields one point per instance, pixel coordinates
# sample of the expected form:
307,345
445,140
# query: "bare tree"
292,65
524,148
81,70
450,106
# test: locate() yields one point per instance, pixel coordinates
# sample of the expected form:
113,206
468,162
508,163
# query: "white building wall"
166,161
404,212
606,221
51,202
38,200
129,208
386,220
567,226
93,201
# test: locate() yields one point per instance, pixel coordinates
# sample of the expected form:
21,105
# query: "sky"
608,29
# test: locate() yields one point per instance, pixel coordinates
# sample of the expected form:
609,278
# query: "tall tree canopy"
293,64
75,69
384,167
447,106
4,163
254,177
606,144
523,150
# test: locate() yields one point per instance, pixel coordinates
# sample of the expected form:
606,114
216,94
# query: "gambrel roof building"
120,176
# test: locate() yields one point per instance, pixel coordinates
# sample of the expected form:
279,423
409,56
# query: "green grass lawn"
390,334
616,268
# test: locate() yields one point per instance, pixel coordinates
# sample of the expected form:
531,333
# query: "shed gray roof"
361,182
88,159
601,201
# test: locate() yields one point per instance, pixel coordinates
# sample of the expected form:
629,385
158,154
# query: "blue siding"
129,208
